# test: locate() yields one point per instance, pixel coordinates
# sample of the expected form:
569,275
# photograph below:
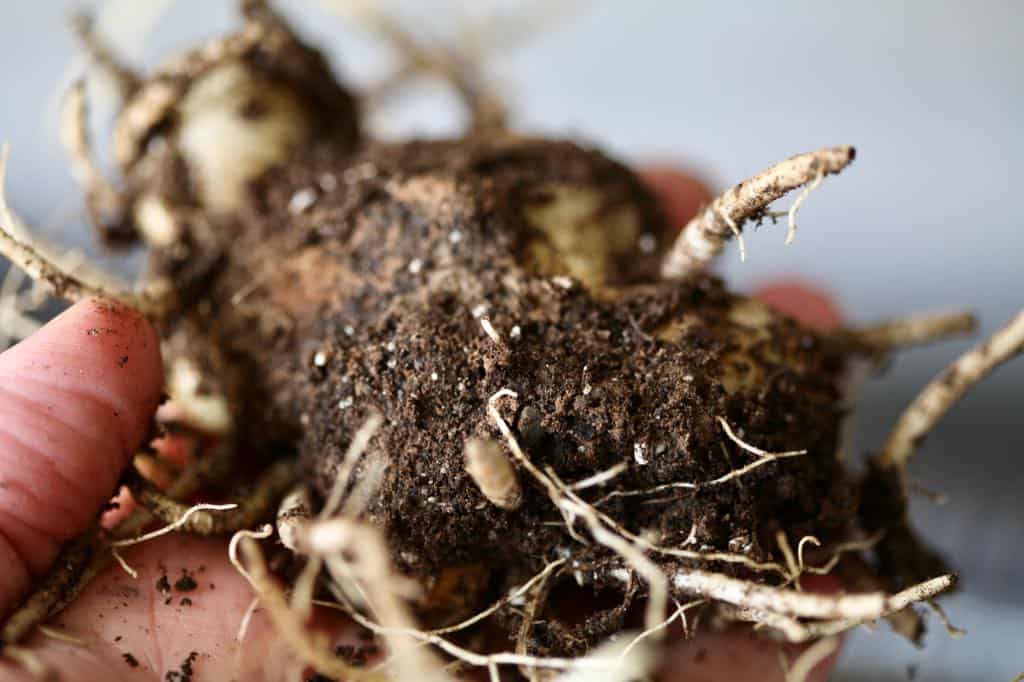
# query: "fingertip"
76,400
680,193
807,303
98,349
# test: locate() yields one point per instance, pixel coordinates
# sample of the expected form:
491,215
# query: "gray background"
929,215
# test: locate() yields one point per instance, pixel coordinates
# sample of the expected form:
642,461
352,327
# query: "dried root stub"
558,397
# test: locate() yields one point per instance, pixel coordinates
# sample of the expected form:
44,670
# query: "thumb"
76,400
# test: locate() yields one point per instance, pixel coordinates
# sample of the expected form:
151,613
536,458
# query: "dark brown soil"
371,296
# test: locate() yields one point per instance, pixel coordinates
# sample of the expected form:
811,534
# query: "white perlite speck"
640,453
647,243
345,403
320,358
302,201
415,266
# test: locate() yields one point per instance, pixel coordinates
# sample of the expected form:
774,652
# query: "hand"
76,401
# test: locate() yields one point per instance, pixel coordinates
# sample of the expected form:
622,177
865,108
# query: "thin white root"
311,649
103,199
61,282
837,551
486,109
102,55
364,549
28,660
543,575
484,660
123,563
678,614
943,392
170,528
756,450
791,215
54,633
785,602
913,331
632,659
555,490
492,472
811,657
601,527
952,630
600,477
705,236
360,441
489,329
764,457
243,625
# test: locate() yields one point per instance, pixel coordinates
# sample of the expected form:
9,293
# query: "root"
314,651
360,441
857,575
488,113
106,205
32,664
810,658
704,237
518,592
62,584
534,608
906,332
250,509
604,531
60,281
842,611
943,392
86,556
679,614
102,55
953,631
363,548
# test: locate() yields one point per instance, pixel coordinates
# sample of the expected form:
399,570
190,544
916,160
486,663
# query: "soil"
371,297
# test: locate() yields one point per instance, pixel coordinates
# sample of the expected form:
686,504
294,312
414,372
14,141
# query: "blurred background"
929,216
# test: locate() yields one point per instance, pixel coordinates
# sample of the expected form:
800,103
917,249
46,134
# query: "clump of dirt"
376,297
516,300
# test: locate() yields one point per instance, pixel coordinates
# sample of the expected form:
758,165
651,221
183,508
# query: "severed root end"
102,55
705,236
945,390
882,338
487,112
